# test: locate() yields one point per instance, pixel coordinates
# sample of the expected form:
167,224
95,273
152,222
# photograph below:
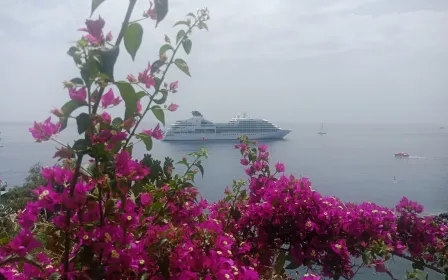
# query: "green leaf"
366,257
182,162
127,92
107,58
202,25
55,276
180,35
164,49
81,145
182,65
129,149
156,65
133,38
182,22
95,4
292,265
167,39
116,124
187,45
83,122
72,51
158,113
139,95
146,139
201,169
77,81
161,7
162,99
157,206
280,263
191,15
68,109
418,265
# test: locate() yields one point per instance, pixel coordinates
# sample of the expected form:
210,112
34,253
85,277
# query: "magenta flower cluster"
117,217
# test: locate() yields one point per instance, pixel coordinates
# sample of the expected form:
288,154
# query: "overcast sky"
284,60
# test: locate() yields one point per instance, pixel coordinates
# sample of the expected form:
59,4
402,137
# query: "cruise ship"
199,128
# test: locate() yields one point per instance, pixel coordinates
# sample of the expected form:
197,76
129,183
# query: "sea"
354,162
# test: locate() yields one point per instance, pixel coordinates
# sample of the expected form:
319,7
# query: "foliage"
104,215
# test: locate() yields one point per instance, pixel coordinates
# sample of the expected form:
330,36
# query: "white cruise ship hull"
280,134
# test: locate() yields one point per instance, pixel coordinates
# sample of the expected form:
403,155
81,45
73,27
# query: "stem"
97,102
125,21
137,20
159,85
391,275
117,43
434,268
68,217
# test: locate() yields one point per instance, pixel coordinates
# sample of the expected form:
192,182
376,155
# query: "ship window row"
247,130
193,132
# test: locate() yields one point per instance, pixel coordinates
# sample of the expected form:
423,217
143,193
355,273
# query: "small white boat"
322,132
402,155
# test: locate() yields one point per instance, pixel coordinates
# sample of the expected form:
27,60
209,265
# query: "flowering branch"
157,90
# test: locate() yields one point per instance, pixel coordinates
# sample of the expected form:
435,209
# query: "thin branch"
125,22
159,85
391,275
434,268
97,101
68,217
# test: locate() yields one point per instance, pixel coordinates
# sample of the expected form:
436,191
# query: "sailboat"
322,132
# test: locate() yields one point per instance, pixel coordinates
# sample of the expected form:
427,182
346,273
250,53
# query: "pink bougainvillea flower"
151,12
146,199
94,28
109,99
174,85
57,112
106,118
131,169
156,133
23,243
263,148
280,167
109,36
146,77
79,95
131,78
44,131
127,124
173,107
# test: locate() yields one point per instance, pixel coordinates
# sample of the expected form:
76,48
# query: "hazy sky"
284,60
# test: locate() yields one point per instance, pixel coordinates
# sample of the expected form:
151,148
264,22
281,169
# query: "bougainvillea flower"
109,99
128,168
79,95
151,12
44,131
131,78
174,85
173,107
146,77
156,133
94,28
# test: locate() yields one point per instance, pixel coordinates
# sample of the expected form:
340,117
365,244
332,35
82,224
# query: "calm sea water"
354,162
